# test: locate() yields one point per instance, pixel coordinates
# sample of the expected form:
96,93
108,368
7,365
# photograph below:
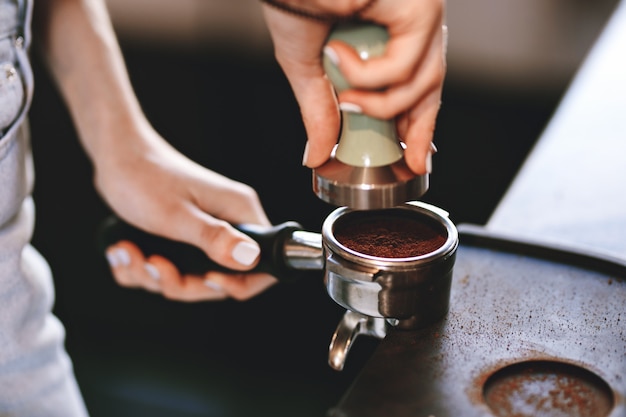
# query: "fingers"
416,129
396,98
240,286
220,241
129,267
321,119
412,95
318,106
297,45
158,275
377,71
189,222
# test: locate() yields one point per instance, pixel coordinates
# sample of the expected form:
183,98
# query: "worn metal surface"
511,302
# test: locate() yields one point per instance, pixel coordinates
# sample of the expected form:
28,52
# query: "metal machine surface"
532,330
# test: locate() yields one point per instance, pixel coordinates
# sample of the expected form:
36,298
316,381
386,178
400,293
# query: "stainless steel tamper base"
367,188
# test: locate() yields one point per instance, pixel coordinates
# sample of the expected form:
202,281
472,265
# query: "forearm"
79,46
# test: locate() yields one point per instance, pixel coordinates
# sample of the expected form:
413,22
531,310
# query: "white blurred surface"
522,43
572,187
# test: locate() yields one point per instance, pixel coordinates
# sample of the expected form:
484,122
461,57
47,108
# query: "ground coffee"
389,236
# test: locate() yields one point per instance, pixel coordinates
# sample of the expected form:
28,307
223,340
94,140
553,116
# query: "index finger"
409,42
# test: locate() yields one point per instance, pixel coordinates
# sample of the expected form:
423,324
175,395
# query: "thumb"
229,247
219,240
321,118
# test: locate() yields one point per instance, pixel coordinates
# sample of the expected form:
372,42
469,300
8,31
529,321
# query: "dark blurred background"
206,77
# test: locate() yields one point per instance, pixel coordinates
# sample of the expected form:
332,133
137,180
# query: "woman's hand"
143,179
152,186
405,83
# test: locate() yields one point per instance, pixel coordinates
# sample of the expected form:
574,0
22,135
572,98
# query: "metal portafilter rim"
358,281
434,213
286,248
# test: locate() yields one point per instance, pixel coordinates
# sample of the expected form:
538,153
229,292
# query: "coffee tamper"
368,175
366,169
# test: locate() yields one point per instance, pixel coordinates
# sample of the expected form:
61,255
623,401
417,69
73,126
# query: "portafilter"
387,267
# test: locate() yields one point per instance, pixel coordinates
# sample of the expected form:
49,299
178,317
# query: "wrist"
114,136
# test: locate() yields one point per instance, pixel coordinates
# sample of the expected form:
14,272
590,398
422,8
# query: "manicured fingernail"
152,271
350,108
305,156
213,285
246,253
331,55
429,162
429,157
118,257
112,259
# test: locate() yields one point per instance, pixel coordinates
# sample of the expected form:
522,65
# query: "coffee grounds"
390,237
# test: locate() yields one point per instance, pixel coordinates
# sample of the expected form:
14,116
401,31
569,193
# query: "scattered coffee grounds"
390,236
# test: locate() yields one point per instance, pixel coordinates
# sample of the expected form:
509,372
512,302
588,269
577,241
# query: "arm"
145,180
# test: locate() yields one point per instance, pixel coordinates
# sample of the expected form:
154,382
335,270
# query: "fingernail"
429,162
429,157
213,285
246,253
331,55
111,259
305,156
350,108
118,257
152,271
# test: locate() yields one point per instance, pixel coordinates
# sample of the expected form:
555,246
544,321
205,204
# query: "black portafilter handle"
190,259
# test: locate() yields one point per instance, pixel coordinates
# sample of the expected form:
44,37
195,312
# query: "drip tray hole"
547,389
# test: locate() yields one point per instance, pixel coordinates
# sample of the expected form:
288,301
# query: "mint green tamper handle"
367,169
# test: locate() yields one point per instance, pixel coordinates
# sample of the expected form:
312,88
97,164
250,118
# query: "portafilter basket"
389,267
